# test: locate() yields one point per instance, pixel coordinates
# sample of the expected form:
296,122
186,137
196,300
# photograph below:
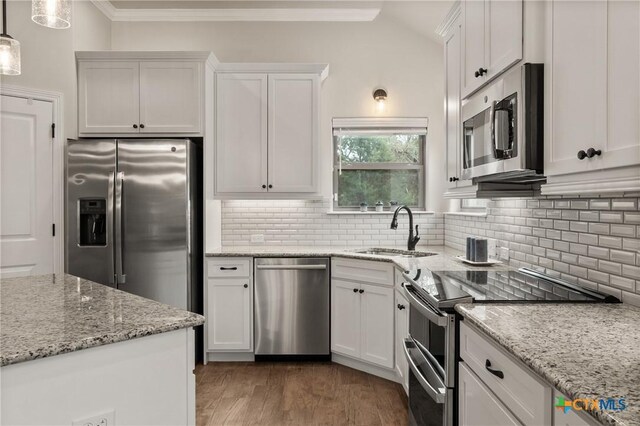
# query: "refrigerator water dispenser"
93,222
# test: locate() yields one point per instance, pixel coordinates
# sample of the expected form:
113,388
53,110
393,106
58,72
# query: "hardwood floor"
295,394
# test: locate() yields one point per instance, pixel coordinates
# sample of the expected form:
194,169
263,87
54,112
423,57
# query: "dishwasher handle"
292,267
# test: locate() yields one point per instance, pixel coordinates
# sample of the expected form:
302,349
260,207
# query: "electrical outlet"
257,238
103,419
503,253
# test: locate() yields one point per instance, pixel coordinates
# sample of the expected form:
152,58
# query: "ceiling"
421,16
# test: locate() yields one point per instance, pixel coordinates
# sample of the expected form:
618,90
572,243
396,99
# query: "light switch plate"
108,418
257,238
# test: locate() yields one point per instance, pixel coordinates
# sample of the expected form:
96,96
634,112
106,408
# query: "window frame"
375,127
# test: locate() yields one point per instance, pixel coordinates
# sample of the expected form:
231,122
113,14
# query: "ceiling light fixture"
380,96
51,13
9,48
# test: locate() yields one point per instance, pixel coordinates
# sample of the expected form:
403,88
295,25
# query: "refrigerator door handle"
110,235
120,275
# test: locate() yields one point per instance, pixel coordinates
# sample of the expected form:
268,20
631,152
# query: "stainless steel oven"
430,349
502,130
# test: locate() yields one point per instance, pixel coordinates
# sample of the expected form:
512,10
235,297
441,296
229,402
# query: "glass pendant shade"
51,13
9,56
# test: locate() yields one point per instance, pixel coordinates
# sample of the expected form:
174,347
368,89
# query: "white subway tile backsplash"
593,242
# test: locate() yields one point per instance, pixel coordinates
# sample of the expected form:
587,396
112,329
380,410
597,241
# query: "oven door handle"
425,310
437,394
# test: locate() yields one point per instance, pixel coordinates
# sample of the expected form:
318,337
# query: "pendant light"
51,13
9,48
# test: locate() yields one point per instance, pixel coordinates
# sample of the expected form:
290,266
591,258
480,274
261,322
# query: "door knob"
246,286
591,152
477,74
355,290
454,179
142,126
264,186
135,126
361,291
582,155
270,186
400,307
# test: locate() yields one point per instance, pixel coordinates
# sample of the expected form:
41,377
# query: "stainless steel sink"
394,252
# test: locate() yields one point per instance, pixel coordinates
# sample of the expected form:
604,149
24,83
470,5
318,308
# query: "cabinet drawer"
229,267
524,393
370,272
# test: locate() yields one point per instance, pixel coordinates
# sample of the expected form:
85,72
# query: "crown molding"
235,15
451,17
303,68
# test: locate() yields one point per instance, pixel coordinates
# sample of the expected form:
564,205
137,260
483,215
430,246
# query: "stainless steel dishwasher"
292,308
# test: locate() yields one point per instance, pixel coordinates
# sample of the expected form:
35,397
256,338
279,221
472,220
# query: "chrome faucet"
413,240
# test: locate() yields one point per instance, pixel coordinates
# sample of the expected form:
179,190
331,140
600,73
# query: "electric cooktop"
446,289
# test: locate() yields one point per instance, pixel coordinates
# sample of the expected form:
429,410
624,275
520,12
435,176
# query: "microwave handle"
492,126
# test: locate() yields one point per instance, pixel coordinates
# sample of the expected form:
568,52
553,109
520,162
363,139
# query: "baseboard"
230,357
385,373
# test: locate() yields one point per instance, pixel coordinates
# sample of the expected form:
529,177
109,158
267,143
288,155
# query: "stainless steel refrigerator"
132,217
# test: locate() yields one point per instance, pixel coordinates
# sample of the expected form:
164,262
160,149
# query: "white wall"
48,60
362,56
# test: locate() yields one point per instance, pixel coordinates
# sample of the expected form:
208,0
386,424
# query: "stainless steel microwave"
502,130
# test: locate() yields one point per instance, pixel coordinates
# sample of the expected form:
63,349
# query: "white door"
230,319
576,73
402,331
376,324
622,145
473,39
503,35
26,188
345,317
171,97
241,142
477,405
108,97
293,132
452,102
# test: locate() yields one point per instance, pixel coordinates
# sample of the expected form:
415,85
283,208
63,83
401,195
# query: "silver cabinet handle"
292,267
120,275
110,235
425,310
438,395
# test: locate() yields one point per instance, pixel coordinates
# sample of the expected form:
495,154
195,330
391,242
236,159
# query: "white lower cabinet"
229,311
478,406
402,331
362,316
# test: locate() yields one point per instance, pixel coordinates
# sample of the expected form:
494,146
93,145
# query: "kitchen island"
81,352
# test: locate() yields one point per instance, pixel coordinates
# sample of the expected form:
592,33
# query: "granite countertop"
583,350
443,260
47,315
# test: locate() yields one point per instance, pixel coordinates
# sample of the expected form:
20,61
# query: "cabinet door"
576,74
241,142
473,40
503,35
477,405
622,145
170,97
452,102
402,331
230,314
108,97
345,317
376,324
293,132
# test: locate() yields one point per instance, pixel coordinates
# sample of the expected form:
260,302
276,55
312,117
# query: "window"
376,162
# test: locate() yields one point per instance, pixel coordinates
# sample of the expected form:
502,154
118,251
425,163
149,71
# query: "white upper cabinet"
267,130
593,98
108,97
491,40
241,133
170,97
293,132
136,93
452,102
